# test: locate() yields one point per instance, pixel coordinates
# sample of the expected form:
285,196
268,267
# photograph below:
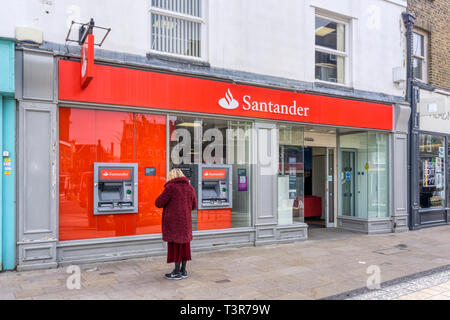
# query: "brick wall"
433,16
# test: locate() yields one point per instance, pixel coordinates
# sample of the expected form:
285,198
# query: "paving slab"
332,264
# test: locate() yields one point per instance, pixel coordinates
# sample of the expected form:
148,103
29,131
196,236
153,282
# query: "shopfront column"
7,143
37,216
266,156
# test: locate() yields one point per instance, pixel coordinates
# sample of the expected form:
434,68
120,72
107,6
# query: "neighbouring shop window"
432,171
448,169
290,175
364,175
177,27
419,56
215,142
330,50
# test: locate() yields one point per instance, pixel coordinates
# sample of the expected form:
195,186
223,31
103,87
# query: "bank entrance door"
320,186
348,182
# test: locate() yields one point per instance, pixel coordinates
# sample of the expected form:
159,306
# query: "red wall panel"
214,219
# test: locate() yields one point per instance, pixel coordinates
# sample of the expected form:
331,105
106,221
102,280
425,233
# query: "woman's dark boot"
175,275
183,270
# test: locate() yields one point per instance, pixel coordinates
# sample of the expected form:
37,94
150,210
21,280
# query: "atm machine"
115,188
213,187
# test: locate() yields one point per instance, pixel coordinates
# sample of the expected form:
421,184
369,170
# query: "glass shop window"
216,142
432,171
290,175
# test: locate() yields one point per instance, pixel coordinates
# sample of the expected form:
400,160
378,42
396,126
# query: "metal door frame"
328,224
353,180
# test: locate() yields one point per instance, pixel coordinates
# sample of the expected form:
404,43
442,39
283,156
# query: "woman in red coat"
178,200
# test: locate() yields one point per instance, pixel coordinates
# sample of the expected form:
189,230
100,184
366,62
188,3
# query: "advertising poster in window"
292,177
429,173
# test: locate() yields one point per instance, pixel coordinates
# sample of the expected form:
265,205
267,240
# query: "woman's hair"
175,173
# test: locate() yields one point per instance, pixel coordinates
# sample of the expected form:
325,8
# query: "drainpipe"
408,20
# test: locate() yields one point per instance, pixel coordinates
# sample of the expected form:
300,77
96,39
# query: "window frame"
173,14
424,58
345,54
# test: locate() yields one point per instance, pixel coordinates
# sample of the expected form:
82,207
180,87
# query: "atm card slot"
107,206
125,204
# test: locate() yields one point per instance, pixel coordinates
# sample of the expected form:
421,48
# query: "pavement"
333,264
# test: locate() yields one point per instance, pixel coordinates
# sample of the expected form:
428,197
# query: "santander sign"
291,109
139,88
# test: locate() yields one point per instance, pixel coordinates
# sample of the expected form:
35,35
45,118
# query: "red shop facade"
127,116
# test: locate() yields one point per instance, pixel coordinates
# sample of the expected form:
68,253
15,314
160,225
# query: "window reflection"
88,136
290,175
330,34
432,171
215,141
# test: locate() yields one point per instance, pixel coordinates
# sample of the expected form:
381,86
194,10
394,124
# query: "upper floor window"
177,27
419,56
331,54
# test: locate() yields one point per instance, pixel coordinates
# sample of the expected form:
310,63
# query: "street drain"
106,273
223,281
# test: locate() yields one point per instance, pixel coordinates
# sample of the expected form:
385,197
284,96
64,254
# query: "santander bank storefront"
267,164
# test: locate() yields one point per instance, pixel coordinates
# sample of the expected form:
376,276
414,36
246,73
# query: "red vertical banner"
87,61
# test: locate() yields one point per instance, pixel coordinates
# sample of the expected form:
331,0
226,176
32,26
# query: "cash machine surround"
213,187
115,188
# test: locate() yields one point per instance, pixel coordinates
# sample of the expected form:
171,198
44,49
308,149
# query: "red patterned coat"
177,200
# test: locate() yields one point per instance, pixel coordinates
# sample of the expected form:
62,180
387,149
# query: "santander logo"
249,104
228,102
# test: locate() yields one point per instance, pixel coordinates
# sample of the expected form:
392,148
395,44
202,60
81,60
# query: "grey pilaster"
37,167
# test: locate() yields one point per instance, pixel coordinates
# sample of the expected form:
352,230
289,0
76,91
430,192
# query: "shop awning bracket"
84,30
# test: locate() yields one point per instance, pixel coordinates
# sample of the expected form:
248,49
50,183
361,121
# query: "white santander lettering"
246,98
291,109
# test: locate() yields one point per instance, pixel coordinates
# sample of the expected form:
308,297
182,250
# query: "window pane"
330,34
448,170
378,175
189,7
431,171
418,68
290,176
175,35
330,67
238,154
216,141
418,45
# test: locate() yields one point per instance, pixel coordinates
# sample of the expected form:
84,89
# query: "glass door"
348,182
